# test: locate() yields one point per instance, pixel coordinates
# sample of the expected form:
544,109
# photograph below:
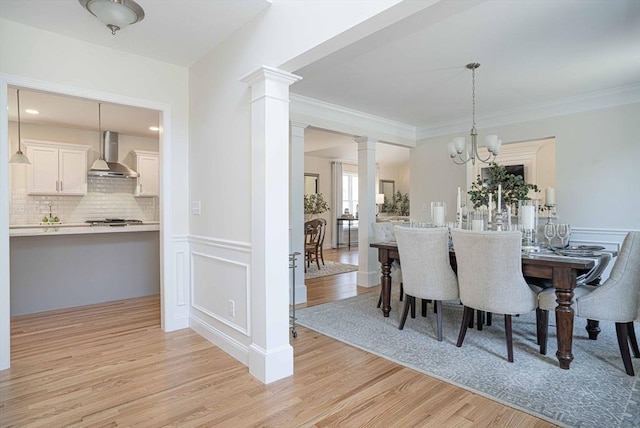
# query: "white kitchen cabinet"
56,168
147,164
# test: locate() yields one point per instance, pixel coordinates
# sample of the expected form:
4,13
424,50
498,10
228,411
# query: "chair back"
313,231
618,297
383,232
323,231
426,269
490,272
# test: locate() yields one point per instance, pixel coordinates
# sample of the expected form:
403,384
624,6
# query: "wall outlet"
232,308
18,209
424,207
196,207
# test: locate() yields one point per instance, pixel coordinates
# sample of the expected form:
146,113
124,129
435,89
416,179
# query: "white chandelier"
458,146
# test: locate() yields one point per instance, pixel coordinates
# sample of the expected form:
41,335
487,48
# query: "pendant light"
100,164
19,157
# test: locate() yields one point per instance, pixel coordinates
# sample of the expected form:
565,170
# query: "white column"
270,354
296,208
368,273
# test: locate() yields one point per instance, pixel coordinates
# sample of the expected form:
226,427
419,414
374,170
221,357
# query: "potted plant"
398,205
514,188
314,204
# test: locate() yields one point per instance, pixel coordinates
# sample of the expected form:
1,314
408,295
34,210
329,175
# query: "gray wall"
62,271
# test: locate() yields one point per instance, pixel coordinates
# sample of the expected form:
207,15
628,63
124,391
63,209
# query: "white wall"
399,173
38,59
221,150
597,166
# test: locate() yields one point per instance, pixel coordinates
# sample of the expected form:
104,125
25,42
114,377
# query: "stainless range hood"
110,150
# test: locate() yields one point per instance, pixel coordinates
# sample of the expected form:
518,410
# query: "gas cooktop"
114,222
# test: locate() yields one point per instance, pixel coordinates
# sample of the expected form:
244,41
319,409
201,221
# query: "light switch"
196,208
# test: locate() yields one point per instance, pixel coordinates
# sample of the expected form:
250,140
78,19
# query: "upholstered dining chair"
384,232
427,272
617,299
490,278
547,299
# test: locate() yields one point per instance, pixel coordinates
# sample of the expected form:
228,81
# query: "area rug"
329,268
595,392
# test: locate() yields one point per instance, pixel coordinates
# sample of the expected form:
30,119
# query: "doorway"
166,287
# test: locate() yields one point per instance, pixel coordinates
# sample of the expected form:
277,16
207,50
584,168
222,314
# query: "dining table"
562,271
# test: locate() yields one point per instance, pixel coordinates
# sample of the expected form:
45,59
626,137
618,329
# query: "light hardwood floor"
110,365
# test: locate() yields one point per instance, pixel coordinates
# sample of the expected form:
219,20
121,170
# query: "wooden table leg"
385,283
564,280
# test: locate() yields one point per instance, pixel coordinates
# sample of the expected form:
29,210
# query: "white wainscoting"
220,278
178,300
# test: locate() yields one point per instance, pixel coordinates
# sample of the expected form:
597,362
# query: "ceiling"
331,145
80,113
202,25
532,53
175,31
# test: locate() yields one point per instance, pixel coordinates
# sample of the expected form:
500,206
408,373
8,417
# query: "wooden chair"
617,299
321,242
490,278
427,272
314,237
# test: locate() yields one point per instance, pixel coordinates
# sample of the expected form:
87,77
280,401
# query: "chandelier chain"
473,96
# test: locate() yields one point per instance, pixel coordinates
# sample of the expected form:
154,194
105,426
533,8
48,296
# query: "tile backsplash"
105,198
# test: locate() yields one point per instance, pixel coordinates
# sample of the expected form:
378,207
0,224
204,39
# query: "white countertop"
78,229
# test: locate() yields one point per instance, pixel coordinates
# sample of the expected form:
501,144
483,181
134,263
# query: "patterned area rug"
329,268
595,392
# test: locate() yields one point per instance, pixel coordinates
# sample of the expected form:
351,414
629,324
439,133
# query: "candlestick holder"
498,223
549,207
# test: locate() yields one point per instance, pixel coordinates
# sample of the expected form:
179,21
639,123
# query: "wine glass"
549,233
564,232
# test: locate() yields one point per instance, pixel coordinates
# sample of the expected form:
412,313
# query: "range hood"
110,150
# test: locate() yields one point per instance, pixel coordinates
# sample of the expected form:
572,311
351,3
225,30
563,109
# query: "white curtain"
336,196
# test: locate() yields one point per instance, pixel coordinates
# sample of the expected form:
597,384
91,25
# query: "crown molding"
325,115
622,95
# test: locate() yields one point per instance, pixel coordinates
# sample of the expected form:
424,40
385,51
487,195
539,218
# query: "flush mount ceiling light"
457,146
115,14
19,157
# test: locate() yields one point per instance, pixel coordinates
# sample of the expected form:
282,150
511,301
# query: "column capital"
365,143
269,73
295,124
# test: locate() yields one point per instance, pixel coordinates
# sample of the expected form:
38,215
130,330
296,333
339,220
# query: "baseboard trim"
223,341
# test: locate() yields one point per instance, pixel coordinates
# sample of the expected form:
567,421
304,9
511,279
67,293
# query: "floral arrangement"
398,205
514,188
315,204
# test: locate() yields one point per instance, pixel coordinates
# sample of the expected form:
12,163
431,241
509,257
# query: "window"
350,192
